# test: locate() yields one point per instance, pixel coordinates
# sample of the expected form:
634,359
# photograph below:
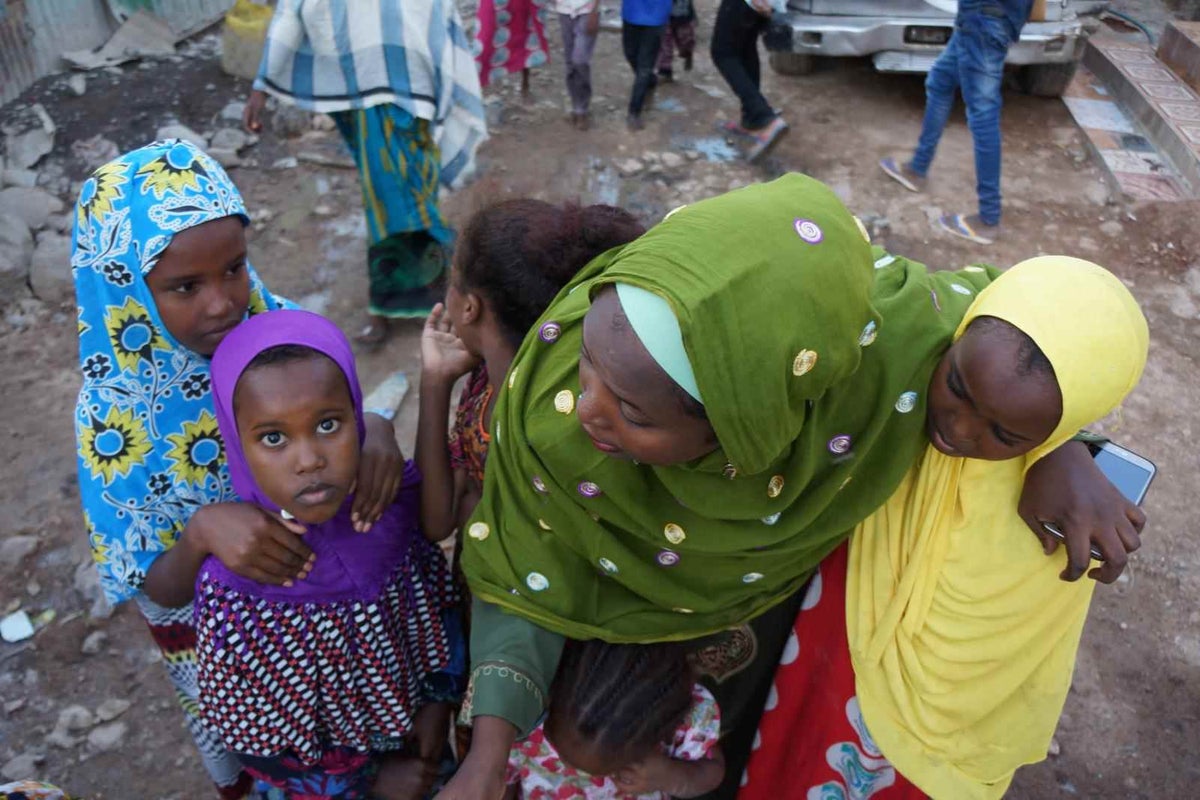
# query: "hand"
472,785
380,473
480,776
253,543
652,774
252,115
404,778
762,7
443,354
593,22
1067,488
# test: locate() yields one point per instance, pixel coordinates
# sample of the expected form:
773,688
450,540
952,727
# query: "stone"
94,643
232,112
629,167
1097,193
1055,748
692,155
112,708
16,251
21,768
26,148
50,269
225,157
63,223
179,131
15,176
87,583
31,205
77,83
289,121
1112,228
15,548
229,139
95,151
108,736
672,160
323,122
75,718
287,162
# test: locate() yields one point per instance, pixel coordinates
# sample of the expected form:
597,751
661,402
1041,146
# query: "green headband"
656,327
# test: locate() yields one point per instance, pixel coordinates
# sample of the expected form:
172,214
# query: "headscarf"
149,451
962,636
812,365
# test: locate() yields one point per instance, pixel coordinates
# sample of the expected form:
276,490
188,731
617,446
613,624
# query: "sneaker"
634,122
903,174
765,138
731,128
970,227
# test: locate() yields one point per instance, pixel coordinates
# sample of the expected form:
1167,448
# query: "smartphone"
1128,471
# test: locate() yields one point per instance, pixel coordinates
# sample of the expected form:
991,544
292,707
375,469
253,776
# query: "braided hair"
518,254
623,700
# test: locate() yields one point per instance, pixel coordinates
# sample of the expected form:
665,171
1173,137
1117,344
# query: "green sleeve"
512,664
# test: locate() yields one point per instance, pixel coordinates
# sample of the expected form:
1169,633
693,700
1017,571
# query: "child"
580,21
161,276
510,37
623,720
336,685
642,26
680,33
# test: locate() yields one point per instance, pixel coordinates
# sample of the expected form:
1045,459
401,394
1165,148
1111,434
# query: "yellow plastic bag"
242,40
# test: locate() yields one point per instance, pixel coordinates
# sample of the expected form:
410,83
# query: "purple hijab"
350,565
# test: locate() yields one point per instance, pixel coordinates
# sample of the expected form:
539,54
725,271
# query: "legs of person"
666,52
641,43
684,33
981,73
173,632
578,45
940,85
734,39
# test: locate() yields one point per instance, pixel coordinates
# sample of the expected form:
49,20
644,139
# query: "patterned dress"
542,774
510,37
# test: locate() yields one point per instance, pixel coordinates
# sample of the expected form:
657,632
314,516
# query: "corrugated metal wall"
33,33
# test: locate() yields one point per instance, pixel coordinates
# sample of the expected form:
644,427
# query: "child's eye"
328,425
236,268
272,439
185,288
1002,437
633,418
952,383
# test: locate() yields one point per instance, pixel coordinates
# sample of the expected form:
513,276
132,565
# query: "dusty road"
1132,723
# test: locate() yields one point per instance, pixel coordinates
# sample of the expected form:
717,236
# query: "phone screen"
1129,478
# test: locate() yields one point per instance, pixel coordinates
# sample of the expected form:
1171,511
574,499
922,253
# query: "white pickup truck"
907,35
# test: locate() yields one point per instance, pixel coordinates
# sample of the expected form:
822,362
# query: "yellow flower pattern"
161,176
133,334
197,452
114,445
100,192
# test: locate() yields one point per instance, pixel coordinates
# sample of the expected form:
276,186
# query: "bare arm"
481,774
674,777
441,486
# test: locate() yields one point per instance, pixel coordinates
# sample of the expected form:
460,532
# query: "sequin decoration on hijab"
149,452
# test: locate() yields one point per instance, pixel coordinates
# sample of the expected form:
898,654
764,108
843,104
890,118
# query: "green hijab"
812,354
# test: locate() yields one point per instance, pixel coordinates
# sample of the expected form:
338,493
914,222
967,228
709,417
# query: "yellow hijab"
962,636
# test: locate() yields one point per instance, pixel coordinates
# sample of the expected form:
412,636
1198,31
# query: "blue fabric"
972,62
646,12
1015,13
149,453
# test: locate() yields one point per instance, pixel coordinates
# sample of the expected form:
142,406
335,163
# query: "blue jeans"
972,62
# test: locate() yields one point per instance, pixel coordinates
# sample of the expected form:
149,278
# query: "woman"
161,275
736,397
934,654
411,121
510,36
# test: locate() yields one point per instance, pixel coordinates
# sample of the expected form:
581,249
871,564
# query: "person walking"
973,63
580,22
735,54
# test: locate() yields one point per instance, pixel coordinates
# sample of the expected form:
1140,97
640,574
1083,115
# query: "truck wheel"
792,63
1046,80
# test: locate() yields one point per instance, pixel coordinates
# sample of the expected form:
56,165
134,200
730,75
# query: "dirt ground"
1132,722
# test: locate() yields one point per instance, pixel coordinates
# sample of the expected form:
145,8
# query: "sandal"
766,138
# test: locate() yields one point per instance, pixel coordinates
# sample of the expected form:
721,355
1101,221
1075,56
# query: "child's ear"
472,308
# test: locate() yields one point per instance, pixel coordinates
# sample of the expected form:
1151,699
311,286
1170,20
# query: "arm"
1066,487
441,486
674,777
245,538
380,472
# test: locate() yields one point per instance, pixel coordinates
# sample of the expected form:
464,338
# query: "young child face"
980,406
200,284
297,428
628,405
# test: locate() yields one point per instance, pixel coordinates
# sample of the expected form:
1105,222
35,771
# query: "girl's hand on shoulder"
443,355
652,774
1067,488
254,543
380,473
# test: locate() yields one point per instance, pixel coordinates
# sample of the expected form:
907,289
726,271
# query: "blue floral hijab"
149,450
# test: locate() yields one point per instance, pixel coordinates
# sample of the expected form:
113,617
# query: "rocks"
230,139
15,176
323,122
1097,193
672,160
14,550
94,643
112,708
77,83
16,251
1112,228
287,162
50,269
107,737
95,151
22,767
232,112
26,147
87,583
31,205
289,121
178,131
629,167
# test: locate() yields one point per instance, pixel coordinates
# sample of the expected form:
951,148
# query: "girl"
311,681
397,78
742,368
161,276
512,259
945,645
680,34
623,720
510,36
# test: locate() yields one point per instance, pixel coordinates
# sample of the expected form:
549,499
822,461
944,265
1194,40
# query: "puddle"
603,184
714,148
671,105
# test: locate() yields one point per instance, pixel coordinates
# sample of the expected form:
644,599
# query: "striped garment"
411,53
